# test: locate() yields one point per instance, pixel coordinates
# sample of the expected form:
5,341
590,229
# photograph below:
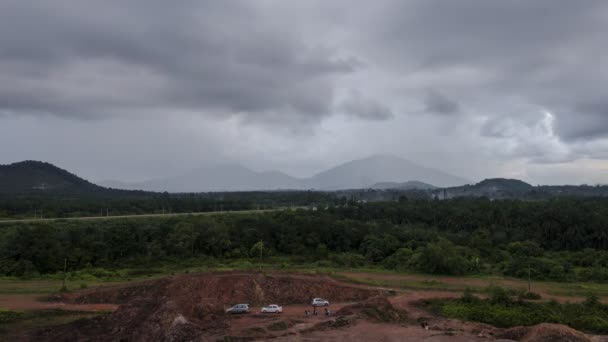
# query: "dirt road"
34,302
88,218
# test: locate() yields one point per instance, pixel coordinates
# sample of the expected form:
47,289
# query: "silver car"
238,308
319,302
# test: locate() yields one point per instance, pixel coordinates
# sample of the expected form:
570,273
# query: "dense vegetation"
562,239
502,310
140,202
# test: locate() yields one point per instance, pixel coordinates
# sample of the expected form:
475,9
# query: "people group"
307,312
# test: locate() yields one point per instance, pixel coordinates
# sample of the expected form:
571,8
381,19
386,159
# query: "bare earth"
191,307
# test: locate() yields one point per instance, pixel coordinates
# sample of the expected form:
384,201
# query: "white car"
272,308
319,302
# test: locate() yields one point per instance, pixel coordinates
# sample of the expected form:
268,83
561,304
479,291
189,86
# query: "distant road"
86,218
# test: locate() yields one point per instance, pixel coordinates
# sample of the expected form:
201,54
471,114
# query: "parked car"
239,308
272,308
319,302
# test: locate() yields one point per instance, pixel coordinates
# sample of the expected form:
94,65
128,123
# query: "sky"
139,89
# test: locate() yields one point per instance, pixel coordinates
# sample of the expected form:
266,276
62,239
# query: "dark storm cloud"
75,59
438,103
513,82
548,53
363,107
584,121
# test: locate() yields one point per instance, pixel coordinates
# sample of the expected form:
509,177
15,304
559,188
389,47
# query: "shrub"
591,301
587,316
498,295
467,296
7,316
529,295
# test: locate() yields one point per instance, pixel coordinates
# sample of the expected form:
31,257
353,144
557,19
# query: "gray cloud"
584,122
438,103
545,54
136,55
366,108
269,77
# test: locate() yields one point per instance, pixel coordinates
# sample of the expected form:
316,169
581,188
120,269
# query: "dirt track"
89,218
34,302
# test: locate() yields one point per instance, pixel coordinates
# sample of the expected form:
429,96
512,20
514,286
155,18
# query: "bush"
351,260
467,296
7,316
592,301
529,295
400,260
441,258
588,316
498,295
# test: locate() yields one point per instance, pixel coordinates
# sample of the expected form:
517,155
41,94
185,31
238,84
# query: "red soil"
191,308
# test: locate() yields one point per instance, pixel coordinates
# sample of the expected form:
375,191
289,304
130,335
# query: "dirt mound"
188,307
545,332
375,309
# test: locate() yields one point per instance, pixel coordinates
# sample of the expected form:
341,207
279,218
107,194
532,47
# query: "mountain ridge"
359,173
35,176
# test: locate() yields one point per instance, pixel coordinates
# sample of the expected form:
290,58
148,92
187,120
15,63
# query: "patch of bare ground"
192,308
545,332
34,302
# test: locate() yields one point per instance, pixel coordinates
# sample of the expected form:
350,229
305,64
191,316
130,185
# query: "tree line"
561,239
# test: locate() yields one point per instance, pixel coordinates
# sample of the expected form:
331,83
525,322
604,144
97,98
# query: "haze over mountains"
356,174
353,179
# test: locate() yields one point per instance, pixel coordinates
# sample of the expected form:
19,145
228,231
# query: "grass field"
363,276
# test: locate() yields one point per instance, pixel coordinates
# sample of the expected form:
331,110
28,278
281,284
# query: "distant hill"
491,188
364,173
409,185
218,178
356,174
39,177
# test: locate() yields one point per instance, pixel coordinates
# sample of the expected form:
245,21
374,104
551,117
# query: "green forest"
118,202
560,239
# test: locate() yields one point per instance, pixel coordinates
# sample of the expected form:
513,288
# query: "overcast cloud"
137,89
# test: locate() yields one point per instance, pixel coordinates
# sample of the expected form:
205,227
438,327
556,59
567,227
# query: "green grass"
51,283
588,317
417,281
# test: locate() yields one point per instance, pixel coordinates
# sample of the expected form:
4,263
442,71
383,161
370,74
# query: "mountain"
39,177
226,177
356,174
409,185
366,172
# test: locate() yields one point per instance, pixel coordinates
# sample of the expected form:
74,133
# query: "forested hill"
30,176
501,188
